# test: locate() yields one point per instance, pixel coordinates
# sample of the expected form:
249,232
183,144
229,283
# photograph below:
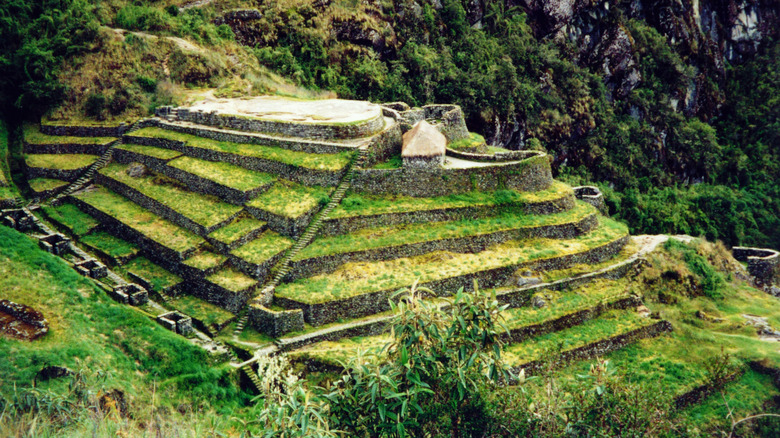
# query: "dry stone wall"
85,131
763,263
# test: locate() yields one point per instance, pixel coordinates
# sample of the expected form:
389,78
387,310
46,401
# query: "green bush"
95,105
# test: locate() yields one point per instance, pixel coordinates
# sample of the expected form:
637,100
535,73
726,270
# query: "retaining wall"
376,302
254,270
291,129
157,207
85,131
284,225
69,175
156,250
763,263
275,323
302,175
385,144
529,175
592,195
498,157
293,144
343,225
67,148
124,156
231,301
468,244
597,348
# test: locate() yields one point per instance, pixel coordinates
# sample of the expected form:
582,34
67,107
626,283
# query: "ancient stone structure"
21,322
423,147
176,322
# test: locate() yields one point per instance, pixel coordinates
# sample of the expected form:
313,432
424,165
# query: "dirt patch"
18,321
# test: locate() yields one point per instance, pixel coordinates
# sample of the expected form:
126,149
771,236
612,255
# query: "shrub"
146,83
95,105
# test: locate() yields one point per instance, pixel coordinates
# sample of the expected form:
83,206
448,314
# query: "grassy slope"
89,331
6,186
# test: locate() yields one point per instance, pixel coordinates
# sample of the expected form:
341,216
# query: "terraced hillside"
261,235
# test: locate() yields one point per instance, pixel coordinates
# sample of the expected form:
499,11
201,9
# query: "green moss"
232,280
78,222
609,324
39,185
361,204
60,161
113,246
151,151
474,143
294,158
159,277
357,278
202,209
290,200
237,229
205,260
263,248
235,177
201,310
33,135
381,237
147,223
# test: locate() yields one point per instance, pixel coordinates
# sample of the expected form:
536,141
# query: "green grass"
361,204
202,209
232,279
299,159
381,237
151,151
629,250
563,303
263,248
290,200
612,323
113,246
43,184
472,143
78,222
205,260
6,191
147,223
33,135
394,162
341,351
89,332
202,310
235,177
236,230
357,278
157,276
60,161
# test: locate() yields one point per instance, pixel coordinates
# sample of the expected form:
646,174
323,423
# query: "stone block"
56,244
176,322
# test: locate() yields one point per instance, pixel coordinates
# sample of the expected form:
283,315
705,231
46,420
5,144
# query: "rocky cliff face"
706,33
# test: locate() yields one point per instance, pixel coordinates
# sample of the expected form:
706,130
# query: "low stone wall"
275,323
208,187
293,144
67,148
597,348
376,302
364,328
85,131
334,226
37,324
124,156
46,194
284,225
592,195
468,244
529,175
385,144
118,229
573,319
157,207
257,271
763,263
498,157
290,129
224,248
69,175
701,392
311,177
231,301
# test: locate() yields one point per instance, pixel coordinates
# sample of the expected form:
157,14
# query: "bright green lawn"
263,248
69,215
295,158
44,184
358,278
290,200
372,238
60,161
142,220
202,310
151,151
361,204
113,246
236,229
203,209
235,177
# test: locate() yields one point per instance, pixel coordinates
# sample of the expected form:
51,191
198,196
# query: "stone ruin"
176,322
56,243
131,293
21,322
92,268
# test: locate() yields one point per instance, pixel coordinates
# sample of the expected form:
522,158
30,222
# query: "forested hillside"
671,107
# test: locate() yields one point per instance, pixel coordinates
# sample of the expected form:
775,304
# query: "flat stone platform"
327,119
